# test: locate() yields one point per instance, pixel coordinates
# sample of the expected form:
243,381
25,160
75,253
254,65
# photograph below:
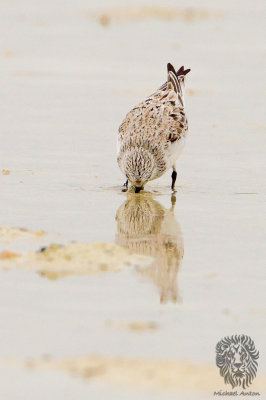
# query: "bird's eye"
230,354
244,355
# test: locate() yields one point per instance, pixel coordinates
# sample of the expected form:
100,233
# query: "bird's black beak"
138,189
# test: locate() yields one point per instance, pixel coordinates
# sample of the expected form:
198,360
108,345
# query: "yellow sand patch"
119,15
57,261
6,255
134,326
7,233
145,373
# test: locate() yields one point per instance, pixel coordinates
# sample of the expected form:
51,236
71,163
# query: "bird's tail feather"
176,79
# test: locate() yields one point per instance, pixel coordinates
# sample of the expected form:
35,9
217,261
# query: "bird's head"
139,167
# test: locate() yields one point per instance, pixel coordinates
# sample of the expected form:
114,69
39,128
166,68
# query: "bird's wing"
161,116
172,116
162,113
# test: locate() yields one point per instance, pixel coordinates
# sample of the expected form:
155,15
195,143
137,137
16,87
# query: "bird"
152,135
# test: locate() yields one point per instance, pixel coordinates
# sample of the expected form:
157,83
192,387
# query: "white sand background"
70,70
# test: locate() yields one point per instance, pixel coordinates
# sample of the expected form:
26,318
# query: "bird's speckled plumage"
153,133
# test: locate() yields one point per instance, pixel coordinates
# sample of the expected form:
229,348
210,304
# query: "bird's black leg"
174,175
125,186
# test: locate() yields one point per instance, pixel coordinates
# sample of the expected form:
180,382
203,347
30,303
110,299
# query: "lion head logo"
236,357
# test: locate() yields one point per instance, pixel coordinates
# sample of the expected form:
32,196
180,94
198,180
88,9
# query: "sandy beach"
112,295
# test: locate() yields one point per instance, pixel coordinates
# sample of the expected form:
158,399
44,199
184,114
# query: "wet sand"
171,275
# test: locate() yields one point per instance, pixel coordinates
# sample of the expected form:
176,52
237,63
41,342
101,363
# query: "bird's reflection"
145,227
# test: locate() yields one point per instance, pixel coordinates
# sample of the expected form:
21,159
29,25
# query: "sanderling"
152,135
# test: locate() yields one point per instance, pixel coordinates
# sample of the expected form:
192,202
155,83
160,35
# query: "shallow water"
67,82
